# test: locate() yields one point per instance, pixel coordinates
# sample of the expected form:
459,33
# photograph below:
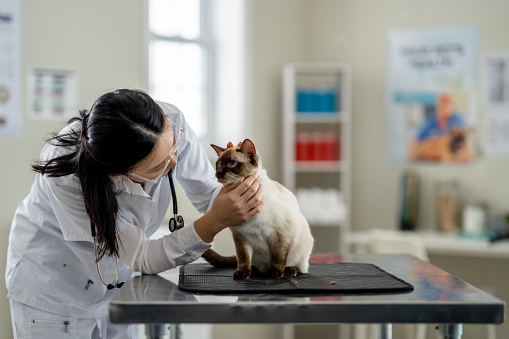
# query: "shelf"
320,166
318,69
441,243
313,128
320,118
320,224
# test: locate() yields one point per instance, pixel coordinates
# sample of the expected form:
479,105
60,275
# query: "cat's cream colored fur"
279,236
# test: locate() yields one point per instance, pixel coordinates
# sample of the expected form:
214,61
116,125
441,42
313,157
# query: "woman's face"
160,161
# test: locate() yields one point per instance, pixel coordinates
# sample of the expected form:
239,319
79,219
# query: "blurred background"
222,62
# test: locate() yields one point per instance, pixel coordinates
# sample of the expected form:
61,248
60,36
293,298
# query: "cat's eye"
232,164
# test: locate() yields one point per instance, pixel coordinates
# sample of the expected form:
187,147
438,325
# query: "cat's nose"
219,174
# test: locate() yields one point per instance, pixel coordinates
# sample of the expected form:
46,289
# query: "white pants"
29,322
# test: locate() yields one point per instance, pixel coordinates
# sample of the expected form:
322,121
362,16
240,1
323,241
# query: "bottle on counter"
447,205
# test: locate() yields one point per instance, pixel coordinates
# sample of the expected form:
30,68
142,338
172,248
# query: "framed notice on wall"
495,74
495,91
431,95
53,93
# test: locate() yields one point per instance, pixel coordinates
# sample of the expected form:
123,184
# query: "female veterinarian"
101,189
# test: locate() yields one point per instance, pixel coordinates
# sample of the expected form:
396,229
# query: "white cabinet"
316,145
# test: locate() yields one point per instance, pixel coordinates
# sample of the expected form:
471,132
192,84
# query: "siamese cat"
277,241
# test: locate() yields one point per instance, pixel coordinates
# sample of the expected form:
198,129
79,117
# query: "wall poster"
431,95
53,93
11,113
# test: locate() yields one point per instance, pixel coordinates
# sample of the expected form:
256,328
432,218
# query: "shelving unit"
316,143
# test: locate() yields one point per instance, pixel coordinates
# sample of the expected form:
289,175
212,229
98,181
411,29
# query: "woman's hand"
234,205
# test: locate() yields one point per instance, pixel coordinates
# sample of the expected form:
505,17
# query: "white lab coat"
50,261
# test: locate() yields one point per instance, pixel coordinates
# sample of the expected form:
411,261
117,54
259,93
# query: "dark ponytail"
120,130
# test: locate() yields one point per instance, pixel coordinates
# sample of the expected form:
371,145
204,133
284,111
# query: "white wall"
100,39
103,41
355,32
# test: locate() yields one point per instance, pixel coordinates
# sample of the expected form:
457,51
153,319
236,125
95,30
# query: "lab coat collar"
124,184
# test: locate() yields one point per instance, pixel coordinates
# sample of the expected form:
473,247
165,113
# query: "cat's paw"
275,273
291,271
241,274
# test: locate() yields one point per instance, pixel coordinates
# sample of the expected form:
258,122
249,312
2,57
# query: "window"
189,43
179,59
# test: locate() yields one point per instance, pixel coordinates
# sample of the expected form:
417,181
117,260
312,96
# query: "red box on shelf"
316,147
304,150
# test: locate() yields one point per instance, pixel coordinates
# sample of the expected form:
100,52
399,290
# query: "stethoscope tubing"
175,223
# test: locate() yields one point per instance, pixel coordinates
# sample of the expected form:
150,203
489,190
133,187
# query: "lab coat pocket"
46,325
73,283
67,279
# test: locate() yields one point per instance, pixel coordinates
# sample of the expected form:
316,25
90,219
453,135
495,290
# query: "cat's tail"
217,260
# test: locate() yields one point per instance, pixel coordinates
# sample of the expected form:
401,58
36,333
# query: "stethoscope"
175,223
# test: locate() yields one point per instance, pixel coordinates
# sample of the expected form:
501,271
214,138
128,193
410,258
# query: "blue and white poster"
10,88
431,97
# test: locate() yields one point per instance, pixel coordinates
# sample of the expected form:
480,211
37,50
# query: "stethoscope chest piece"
177,222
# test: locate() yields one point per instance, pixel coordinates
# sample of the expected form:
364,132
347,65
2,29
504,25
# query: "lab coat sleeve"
194,172
151,256
66,199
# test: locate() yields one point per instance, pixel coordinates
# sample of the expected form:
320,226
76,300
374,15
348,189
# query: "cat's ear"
219,150
248,149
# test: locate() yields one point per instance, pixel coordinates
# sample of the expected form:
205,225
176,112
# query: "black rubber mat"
322,278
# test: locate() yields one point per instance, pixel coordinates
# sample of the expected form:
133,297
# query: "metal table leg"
175,331
384,331
450,331
156,331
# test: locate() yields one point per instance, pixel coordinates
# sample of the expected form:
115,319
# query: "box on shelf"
317,146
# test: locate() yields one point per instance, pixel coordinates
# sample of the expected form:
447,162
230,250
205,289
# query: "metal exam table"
438,297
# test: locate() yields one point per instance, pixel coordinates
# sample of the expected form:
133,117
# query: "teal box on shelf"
306,100
316,100
325,100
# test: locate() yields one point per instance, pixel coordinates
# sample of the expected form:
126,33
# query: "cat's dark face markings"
234,164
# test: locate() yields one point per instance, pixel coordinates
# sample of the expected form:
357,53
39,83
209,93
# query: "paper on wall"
497,134
495,73
53,93
10,99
